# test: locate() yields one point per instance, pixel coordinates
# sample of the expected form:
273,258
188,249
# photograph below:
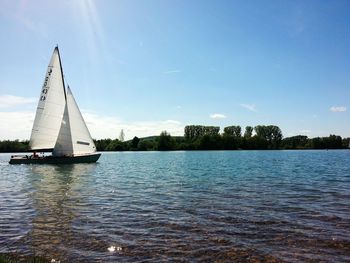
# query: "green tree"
14,146
210,142
346,143
295,142
193,132
147,145
256,143
230,142
234,131
271,133
316,143
333,142
165,142
248,132
134,143
101,145
115,145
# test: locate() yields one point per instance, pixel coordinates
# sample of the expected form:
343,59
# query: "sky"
149,66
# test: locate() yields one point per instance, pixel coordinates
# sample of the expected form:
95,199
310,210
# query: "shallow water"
180,206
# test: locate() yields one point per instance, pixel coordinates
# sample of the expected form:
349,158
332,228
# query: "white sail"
64,145
74,137
50,108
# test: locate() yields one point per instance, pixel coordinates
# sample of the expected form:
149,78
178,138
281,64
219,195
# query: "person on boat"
35,155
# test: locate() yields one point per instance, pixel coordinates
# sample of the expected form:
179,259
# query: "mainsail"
74,137
50,108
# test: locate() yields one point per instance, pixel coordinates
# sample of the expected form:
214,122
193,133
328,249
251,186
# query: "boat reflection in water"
60,203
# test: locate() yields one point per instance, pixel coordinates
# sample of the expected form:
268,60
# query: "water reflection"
56,201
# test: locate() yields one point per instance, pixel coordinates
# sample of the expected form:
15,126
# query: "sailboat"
58,126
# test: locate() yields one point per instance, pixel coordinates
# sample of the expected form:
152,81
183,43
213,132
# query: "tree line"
199,137
14,146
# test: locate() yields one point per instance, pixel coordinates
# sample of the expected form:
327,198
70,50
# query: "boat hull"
89,158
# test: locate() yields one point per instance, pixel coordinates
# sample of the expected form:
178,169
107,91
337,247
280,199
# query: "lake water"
180,206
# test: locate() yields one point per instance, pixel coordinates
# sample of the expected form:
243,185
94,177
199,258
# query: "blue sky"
148,66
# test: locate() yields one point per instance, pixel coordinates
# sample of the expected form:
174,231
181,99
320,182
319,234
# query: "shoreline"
197,150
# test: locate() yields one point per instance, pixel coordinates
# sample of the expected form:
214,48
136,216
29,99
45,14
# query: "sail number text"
45,86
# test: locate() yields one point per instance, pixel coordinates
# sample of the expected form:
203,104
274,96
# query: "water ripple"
249,206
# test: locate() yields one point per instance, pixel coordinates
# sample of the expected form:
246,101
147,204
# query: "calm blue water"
180,206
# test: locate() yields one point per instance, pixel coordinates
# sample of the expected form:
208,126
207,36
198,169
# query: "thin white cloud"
109,126
7,101
337,109
172,122
172,71
217,116
305,131
18,125
250,107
